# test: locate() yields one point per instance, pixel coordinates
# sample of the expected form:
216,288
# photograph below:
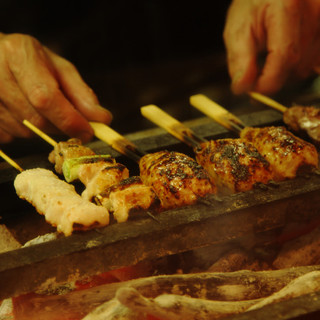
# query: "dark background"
132,53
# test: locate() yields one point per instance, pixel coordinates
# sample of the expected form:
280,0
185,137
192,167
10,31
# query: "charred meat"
234,165
286,153
127,196
72,148
177,179
304,119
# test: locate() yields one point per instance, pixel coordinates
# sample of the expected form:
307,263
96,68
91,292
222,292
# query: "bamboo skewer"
102,132
268,101
10,161
116,141
40,133
217,113
170,124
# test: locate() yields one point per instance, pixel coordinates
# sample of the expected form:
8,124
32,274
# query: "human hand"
287,31
44,88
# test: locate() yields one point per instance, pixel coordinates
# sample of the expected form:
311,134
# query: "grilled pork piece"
126,196
304,119
177,179
286,153
72,148
234,165
58,201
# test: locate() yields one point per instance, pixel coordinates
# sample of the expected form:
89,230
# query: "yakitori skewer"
56,199
176,178
301,119
233,164
107,182
286,153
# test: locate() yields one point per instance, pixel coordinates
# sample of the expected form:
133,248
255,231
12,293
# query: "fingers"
35,76
10,127
77,91
283,45
38,85
241,47
287,31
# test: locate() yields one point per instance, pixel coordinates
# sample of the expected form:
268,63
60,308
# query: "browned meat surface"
304,119
233,164
72,148
89,169
286,153
105,178
177,179
127,196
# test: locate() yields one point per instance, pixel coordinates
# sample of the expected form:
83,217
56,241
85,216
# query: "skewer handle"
268,101
216,112
10,161
170,124
116,140
39,132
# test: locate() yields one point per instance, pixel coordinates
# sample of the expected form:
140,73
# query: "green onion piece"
70,167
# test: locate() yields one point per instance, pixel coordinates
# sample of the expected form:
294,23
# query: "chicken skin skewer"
57,200
287,154
234,165
304,119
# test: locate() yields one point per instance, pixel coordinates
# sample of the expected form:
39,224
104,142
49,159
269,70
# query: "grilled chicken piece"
234,165
58,201
89,169
72,148
304,119
127,196
96,174
105,178
177,179
288,155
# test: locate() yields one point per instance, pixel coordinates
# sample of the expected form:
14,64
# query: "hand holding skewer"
39,85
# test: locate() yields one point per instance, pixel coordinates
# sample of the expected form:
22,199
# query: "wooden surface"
214,222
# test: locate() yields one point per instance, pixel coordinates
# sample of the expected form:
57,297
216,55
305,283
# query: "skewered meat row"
233,164
175,178
58,201
287,154
106,180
